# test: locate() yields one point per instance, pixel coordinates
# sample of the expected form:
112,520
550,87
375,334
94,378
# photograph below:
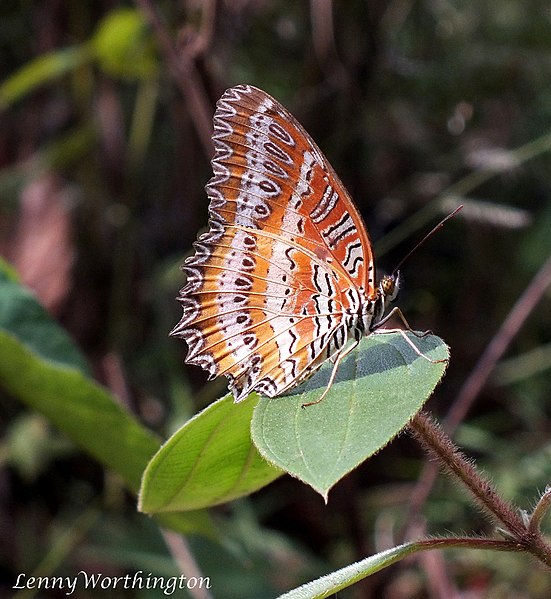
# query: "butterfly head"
386,293
389,286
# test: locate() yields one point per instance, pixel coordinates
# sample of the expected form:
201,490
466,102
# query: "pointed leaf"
330,584
40,71
379,387
210,460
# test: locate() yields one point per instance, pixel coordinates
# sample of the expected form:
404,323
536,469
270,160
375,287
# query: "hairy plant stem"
439,446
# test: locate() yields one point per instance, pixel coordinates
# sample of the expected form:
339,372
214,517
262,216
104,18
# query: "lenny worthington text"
138,580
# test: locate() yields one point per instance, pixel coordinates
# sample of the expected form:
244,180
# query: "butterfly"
285,277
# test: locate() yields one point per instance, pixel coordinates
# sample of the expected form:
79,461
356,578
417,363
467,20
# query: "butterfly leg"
412,345
397,312
338,360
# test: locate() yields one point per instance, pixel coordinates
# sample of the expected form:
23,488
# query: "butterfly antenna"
427,237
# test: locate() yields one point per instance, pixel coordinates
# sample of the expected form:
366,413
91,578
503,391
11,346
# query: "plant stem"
523,308
185,560
439,446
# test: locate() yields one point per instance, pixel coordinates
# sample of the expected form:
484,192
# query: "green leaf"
8,272
210,460
40,71
379,387
41,367
24,318
30,444
82,409
123,45
345,577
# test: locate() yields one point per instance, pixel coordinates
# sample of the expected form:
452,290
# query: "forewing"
270,281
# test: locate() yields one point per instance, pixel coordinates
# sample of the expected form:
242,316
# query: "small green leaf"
210,460
379,387
31,444
347,576
123,45
8,272
40,71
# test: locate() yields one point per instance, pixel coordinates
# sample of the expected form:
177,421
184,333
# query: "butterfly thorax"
365,310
